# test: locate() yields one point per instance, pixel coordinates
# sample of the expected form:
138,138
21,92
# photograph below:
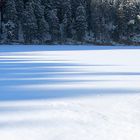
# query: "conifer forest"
70,21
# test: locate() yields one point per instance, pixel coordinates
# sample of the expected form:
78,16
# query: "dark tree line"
62,21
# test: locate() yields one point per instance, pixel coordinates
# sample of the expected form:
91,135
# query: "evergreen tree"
126,13
11,20
130,16
80,22
88,11
67,20
137,21
43,27
29,23
54,25
120,22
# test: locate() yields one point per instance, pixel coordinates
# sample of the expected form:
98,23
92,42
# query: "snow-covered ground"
69,94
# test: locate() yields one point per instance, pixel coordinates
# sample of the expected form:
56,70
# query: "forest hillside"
70,21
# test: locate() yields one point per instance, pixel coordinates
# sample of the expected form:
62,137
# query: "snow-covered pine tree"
106,20
130,16
54,25
96,18
125,19
80,22
43,27
67,19
20,9
11,21
137,21
120,22
29,23
75,4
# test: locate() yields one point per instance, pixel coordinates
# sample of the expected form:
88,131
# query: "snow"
138,17
69,93
131,22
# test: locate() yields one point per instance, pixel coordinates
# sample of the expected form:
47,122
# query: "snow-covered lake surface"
69,93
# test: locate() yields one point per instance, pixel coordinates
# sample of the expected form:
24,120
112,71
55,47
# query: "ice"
69,93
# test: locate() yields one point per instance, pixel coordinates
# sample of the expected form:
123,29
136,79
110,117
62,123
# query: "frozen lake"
69,93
